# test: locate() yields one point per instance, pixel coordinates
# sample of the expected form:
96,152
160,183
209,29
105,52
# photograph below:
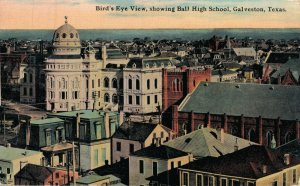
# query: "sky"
82,14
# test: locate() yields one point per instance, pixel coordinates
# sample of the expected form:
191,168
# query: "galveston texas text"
189,8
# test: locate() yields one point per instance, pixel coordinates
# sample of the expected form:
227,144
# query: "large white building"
143,84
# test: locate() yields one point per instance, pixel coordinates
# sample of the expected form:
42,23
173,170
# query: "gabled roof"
35,172
206,142
292,65
134,131
161,152
292,147
251,100
244,51
92,178
150,62
281,57
246,163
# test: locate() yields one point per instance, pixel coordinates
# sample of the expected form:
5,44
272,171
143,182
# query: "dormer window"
134,65
64,35
57,35
147,65
154,65
71,35
169,64
162,65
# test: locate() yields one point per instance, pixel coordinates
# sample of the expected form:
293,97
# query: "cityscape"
220,110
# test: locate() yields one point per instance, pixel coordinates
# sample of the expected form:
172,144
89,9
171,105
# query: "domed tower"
66,40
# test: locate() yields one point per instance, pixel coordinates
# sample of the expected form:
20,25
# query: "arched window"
181,85
269,136
129,83
30,78
234,130
25,77
121,83
177,85
63,84
137,84
288,137
106,97
114,83
148,84
155,83
174,86
114,98
251,135
106,82
194,82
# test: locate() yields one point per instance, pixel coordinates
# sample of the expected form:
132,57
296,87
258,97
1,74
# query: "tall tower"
68,75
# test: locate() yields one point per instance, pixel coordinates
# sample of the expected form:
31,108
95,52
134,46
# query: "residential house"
32,174
253,165
13,159
153,160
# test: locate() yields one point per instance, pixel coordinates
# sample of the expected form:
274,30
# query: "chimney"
121,118
157,142
104,56
264,169
222,135
287,159
236,146
77,124
8,145
106,122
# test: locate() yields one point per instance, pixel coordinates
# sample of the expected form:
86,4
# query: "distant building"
94,179
255,112
254,165
153,160
13,159
132,136
32,174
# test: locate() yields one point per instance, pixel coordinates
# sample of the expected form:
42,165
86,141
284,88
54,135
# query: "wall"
125,148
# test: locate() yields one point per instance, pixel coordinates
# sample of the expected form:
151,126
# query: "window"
131,148
8,170
129,83
155,83
103,154
155,98
63,95
25,91
148,84
185,179
179,163
199,180
274,183
57,175
106,97
269,138
141,166
48,137
154,168
284,179
99,82
98,130
115,99
148,100
137,84
294,176
25,77
114,83
137,100
118,146
172,164
223,182
250,184
87,83
236,183
106,82
30,78
82,132
93,83
30,92
129,100
161,134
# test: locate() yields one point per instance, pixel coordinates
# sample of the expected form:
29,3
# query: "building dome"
66,37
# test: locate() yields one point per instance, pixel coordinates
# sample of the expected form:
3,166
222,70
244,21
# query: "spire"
66,19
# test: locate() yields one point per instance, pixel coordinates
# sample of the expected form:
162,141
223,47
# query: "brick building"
177,83
260,113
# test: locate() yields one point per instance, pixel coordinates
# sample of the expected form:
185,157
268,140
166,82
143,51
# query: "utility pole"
73,154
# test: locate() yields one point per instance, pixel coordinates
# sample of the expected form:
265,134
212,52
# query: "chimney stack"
222,135
264,169
236,146
287,159
106,122
121,118
28,128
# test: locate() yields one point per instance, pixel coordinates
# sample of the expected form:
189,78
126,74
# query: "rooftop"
207,142
46,121
251,100
161,152
87,114
11,153
92,178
